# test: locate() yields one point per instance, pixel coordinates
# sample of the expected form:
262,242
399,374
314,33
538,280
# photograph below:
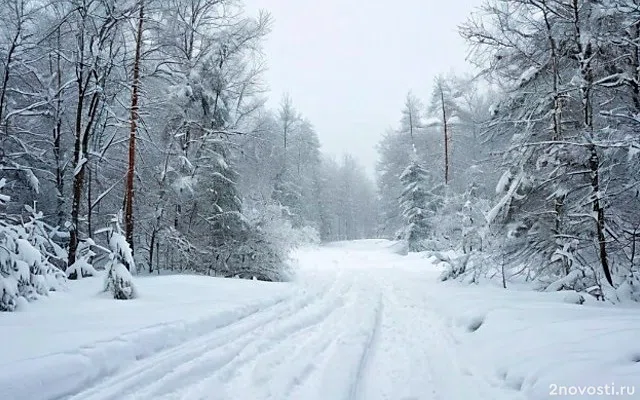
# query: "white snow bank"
539,344
364,244
76,338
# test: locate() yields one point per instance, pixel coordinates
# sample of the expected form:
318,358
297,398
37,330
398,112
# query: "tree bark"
77,151
57,137
446,138
129,192
585,50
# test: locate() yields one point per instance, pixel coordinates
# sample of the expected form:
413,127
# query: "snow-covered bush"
629,289
455,267
264,254
459,222
257,247
82,267
119,281
26,254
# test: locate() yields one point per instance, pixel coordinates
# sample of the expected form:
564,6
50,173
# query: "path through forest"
361,326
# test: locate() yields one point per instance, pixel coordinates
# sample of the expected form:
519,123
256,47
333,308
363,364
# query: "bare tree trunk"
152,248
585,51
82,141
89,201
128,213
446,138
7,71
635,66
57,135
599,211
77,151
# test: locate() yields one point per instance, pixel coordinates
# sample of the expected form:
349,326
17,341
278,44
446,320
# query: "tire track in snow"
339,367
155,367
250,350
220,366
96,353
292,371
175,365
368,351
399,367
300,378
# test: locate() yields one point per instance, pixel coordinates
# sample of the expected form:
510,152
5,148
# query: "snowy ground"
361,323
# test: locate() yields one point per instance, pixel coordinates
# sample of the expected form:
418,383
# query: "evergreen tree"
414,205
119,281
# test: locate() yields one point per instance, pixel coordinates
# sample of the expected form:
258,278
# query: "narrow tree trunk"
89,200
7,71
77,159
446,138
599,212
152,248
585,51
57,136
129,192
635,66
158,257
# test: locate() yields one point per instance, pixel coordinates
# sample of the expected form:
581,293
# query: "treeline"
562,133
149,116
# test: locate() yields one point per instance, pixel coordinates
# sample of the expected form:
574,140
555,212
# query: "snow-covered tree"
119,281
396,147
27,255
559,126
415,202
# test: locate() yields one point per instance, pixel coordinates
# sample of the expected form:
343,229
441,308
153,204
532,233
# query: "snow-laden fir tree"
119,281
396,147
414,201
27,254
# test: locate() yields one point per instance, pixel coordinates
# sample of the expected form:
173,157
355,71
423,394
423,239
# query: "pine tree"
119,281
413,202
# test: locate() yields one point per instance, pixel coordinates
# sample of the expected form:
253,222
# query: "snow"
65,343
511,193
80,269
361,322
79,166
503,182
4,199
634,149
27,252
529,74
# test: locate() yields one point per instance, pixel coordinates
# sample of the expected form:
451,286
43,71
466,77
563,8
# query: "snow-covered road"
359,327
360,323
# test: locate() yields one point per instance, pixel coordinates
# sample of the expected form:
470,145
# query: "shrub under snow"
82,267
119,281
27,253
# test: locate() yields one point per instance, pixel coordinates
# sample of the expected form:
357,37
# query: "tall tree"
135,86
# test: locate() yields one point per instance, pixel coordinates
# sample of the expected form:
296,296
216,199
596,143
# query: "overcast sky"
348,64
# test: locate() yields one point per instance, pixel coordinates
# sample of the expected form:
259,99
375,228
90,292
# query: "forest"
135,137
145,121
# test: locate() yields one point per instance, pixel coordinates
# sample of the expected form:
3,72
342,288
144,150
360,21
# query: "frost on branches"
565,128
27,253
119,281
